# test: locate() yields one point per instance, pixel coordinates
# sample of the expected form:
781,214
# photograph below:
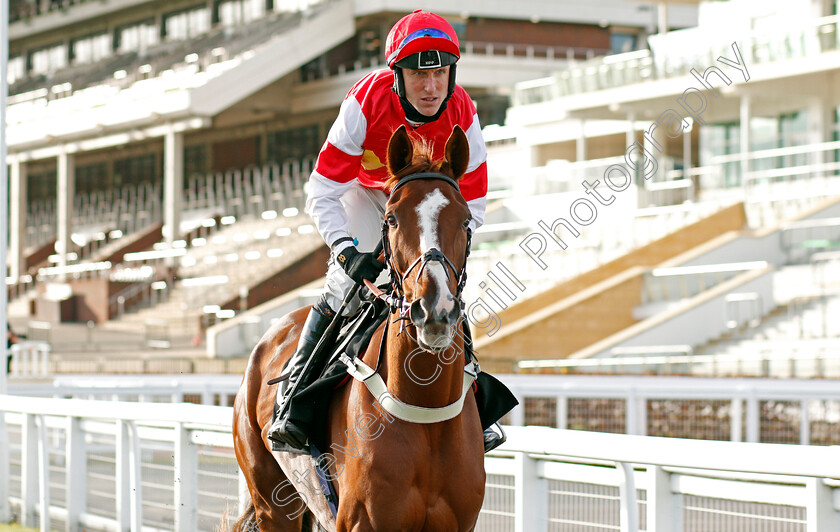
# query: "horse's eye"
391,220
466,224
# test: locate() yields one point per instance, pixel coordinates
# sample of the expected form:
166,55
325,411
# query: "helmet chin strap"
412,114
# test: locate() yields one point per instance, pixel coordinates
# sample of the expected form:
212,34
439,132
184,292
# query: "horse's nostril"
423,314
418,312
455,312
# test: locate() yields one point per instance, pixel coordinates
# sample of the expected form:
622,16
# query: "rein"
397,302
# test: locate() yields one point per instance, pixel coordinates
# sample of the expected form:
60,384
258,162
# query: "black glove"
359,266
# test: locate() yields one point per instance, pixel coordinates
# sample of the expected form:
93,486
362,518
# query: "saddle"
351,341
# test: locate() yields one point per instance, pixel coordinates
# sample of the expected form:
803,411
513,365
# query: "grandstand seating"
224,266
218,44
663,206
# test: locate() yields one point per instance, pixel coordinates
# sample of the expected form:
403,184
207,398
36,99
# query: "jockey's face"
426,89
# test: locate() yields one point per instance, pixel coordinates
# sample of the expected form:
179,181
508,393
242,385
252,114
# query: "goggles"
425,32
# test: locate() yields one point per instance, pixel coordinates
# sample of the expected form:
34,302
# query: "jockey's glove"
359,266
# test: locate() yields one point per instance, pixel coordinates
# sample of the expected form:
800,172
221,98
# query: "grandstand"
663,201
95,117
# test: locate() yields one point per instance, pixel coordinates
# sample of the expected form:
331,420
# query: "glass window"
723,139
91,177
48,60
137,37
622,43
186,24
460,30
136,170
370,44
91,48
296,144
235,12
195,160
17,69
793,131
41,186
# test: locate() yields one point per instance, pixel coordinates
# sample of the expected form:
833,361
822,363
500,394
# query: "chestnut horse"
390,474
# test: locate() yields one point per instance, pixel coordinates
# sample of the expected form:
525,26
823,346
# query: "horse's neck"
419,377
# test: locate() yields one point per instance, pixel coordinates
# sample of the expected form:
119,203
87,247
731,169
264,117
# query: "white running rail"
542,478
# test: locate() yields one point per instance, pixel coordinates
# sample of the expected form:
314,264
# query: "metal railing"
106,465
816,241
480,49
123,465
688,407
96,214
681,282
629,483
815,37
250,191
785,360
29,359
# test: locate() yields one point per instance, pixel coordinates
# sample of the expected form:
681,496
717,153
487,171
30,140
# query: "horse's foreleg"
353,519
277,505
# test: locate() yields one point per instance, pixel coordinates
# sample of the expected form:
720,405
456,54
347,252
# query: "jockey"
346,198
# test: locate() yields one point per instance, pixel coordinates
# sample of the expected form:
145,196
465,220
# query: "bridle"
398,300
397,303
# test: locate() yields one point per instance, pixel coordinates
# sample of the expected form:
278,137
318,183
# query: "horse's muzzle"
435,328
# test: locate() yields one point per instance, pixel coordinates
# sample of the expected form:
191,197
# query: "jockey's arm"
474,183
335,172
323,204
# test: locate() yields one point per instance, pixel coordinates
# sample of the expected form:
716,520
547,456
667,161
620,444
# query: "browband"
425,175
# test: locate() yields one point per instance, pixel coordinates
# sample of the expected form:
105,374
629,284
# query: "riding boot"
285,430
493,439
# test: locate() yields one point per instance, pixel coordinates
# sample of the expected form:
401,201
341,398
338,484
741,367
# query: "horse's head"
426,233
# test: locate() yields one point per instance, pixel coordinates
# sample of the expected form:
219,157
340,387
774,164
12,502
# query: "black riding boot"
284,430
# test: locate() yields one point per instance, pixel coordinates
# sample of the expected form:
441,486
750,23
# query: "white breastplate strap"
414,414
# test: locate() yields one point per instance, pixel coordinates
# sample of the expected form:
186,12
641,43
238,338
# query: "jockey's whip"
322,342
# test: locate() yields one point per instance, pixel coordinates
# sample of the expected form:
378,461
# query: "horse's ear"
400,151
457,153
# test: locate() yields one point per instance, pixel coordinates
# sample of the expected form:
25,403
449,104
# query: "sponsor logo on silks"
430,59
342,259
370,161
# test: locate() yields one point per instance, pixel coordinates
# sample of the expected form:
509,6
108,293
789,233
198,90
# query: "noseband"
432,255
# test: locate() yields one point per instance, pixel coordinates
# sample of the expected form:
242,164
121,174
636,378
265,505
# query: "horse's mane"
422,160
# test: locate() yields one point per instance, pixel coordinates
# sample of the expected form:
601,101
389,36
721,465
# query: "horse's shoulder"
268,356
279,335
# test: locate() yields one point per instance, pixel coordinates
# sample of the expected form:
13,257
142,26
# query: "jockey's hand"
359,266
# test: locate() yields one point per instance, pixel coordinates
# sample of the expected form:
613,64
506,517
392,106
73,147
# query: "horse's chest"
418,498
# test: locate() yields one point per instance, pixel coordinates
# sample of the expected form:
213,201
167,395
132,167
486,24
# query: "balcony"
673,60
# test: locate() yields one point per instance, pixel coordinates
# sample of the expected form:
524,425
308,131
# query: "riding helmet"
421,40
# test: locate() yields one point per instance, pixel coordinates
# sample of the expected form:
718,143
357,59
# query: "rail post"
753,418
664,512
629,510
43,474
122,483
186,480
531,496
820,515
76,477
29,470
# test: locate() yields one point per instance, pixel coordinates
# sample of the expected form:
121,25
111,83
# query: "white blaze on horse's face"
428,212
